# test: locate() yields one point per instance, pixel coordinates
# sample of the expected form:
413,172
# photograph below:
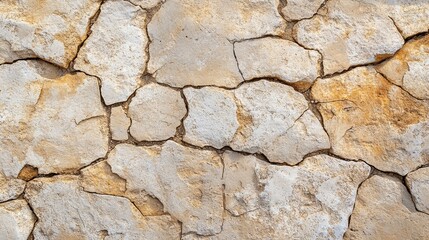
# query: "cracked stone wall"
214,119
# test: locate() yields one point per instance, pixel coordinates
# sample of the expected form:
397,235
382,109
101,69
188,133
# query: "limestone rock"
10,188
349,33
300,9
408,68
156,111
311,201
16,220
285,131
212,117
370,119
119,124
146,4
74,213
186,181
99,178
418,183
384,210
121,29
278,58
192,47
49,120
49,29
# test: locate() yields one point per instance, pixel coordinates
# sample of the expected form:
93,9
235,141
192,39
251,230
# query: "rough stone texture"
77,214
156,111
146,4
368,118
245,120
10,188
408,68
312,200
185,180
349,33
193,47
48,120
384,210
300,9
278,58
48,29
119,124
16,220
121,29
418,183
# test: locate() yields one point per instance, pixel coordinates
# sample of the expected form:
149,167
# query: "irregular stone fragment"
28,172
370,119
408,68
349,33
384,210
212,117
278,58
146,3
99,178
115,50
418,183
410,17
49,29
186,181
16,220
192,47
119,124
48,120
300,9
258,117
156,111
74,213
311,201
10,188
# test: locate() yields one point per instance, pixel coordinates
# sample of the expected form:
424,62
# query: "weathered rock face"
156,111
312,200
192,47
121,29
349,33
278,58
408,68
10,188
146,3
384,210
49,29
370,119
119,124
77,214
51,121
245,120
16,219
186,181
418,183
300,9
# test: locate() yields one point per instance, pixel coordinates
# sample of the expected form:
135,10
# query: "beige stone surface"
16,219
119,123
48,29
115,50
74,213
408,68
301,9
309,201
245,120
194,47
370,119
155,111
146,4
49,120
384,210
188,182
278,58
10,188
349,33
418,183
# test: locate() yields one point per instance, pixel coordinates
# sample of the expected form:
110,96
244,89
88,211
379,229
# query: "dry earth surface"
214,119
